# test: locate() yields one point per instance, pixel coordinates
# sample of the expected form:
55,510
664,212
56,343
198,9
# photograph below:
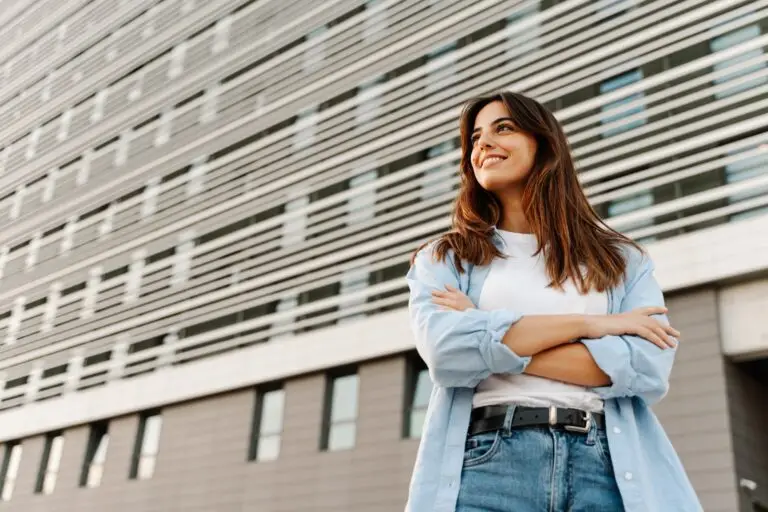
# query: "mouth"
492,160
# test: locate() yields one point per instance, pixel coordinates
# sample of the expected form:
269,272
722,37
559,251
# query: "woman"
545,335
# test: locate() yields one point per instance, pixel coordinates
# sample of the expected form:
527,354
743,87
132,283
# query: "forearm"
537,333
571,363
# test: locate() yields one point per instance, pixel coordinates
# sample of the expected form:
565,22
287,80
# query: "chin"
497,183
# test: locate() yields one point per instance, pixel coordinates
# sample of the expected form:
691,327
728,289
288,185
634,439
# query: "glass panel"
54,459
438,180
272,412
13,469
100,455
49,483
344,399
341,436
423,389
417,422
94,475
151,441
146,467
268,448
441,67
612,85
732,39
630,204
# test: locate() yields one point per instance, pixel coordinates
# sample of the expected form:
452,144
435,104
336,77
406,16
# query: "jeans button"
628,476
616,430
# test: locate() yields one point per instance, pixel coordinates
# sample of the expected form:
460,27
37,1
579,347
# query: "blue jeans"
538,469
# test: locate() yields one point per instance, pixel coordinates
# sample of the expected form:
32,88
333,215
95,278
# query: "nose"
484,141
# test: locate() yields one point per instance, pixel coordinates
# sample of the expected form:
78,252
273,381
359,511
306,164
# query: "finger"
451,288
661,333
649,335
651,310
668,331
438,293
440,301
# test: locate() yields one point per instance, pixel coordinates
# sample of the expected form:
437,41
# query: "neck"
512,215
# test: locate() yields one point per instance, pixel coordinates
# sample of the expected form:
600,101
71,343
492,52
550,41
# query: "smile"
492,160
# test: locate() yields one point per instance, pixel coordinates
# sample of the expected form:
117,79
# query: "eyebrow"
497,121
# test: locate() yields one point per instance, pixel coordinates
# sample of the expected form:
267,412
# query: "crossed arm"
616,355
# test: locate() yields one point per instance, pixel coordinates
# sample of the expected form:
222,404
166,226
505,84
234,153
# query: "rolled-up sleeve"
636,366
461,348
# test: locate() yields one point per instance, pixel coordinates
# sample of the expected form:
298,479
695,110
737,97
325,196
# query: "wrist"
587,327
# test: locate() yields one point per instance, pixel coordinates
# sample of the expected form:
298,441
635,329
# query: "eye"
473,140
506,127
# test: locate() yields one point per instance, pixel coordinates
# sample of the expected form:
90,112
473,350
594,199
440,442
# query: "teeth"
492,159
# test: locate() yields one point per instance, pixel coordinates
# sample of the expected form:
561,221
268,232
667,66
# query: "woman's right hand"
637,322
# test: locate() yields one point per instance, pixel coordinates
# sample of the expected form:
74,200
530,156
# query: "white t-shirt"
519,283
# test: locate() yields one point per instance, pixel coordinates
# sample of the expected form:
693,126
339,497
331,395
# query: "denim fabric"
538,469
461,348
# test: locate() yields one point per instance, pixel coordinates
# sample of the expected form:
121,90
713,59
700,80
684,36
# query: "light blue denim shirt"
461,348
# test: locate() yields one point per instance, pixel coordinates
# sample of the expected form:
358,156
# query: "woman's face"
502,155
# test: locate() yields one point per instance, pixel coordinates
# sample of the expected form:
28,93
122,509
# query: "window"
436,180
615,84
733,39
10,469
306,128
315,49
441,67
745,169
419,389
49,465
340,418
147,445
95,456
376,20
630,204
523,40
267,425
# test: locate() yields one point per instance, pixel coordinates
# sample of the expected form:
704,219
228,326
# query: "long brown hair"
569,231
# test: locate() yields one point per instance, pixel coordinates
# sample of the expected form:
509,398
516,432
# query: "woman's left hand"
452,299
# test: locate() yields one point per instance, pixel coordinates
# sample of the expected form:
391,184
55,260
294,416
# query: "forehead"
489,113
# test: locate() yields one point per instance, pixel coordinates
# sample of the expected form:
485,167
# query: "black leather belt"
491,417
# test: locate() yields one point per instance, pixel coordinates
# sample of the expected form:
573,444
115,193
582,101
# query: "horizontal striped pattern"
181,178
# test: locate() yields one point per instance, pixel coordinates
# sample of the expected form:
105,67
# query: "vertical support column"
221,35
210,104
65,122
163,134
149,201
106,225
51,307
18,199
85,167
4,250
182,260
74,371
91,292
33,382
14,323
50,184
33,250
123,144
169,345
68,235
117,359
133,283
196,174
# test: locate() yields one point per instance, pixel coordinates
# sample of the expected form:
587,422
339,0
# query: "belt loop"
508,417
592,434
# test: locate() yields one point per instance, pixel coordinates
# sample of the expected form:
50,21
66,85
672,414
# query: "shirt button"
616,430
628,476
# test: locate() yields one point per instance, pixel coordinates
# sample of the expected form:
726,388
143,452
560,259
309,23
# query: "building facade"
207,210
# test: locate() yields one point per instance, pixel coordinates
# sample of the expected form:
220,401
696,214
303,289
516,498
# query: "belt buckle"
581,430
